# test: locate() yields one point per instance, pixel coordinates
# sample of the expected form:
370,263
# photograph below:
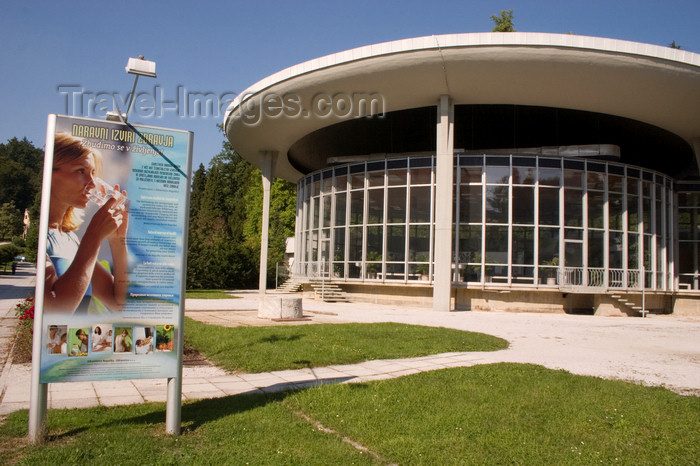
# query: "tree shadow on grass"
201,412
275,338
197,413
193,415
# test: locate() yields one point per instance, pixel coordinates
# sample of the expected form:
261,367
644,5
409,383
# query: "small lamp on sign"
138,67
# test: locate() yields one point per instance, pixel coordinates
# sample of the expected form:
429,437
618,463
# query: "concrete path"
658,350
13,288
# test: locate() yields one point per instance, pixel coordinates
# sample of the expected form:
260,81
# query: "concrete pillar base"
278,307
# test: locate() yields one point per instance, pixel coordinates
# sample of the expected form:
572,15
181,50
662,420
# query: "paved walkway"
658,350
13,288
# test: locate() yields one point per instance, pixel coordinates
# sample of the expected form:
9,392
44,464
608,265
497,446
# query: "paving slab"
405,372
144,384
225,379
123,390
14,394
294,375
76,403
8,407
200,386
371,378
234,387
203,395
282,387
68,393
261,380
326,372
72,386
156,397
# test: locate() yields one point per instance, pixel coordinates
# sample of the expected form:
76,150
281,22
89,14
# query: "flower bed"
22,350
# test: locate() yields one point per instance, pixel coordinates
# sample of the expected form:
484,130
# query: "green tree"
10,221
282,218
21,171
21,166
199,181
503,22
218,256
226,219
32,240
7,253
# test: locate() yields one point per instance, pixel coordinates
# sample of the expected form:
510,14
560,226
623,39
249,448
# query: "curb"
6,370
7,366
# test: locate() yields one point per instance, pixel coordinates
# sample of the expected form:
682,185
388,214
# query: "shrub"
7,253
22,351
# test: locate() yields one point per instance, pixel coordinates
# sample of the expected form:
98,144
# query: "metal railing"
567,278
595,277
282,274
625,279
313,269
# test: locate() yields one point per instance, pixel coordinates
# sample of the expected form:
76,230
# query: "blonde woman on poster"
73,275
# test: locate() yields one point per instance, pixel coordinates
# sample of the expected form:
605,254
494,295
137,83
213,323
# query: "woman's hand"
110,219
112,288
123,209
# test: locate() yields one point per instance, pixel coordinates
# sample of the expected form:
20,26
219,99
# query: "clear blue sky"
221,47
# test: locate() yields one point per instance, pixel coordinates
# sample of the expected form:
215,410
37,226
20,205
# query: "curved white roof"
653,84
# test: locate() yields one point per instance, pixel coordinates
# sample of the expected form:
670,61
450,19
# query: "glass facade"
517,221
688,266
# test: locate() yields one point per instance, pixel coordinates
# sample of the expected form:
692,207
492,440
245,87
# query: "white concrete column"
268,160
695,142
442,282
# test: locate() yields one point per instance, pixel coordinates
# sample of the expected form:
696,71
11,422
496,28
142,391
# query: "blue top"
61,250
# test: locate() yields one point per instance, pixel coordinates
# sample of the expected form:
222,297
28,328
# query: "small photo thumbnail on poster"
57,339
165,337
143,339
123,339
102,338
78,339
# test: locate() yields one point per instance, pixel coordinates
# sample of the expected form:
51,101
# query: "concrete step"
290,286
631,305
327,291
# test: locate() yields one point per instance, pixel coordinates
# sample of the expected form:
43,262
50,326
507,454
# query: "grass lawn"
511,414
263,349
493,414
208,294
254,429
